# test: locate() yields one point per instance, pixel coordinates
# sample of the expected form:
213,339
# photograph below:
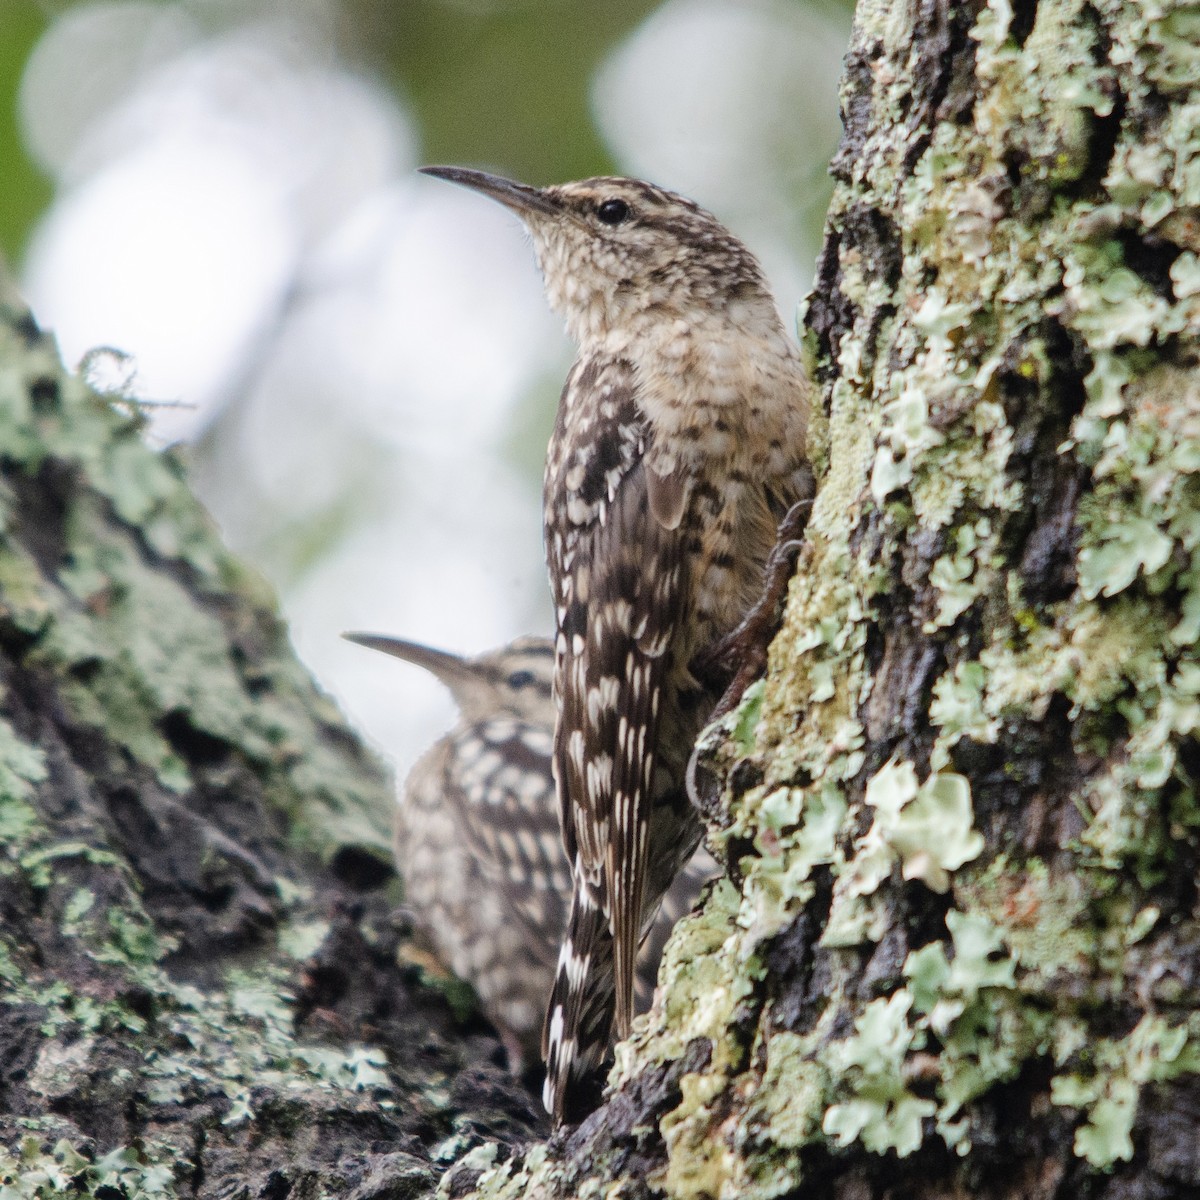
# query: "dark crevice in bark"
798,975
44,396
1172,1117
1104,130
959,93
1017,1133
623,1132
359,869
924,914
1047,563
943,73
1153,109
1150,258
857,87
872,237
830,313
882,972
1102,144
828,1174
193,745
1042,536
1014,791
747,773
1031,196
39,509
868,231
902,660
1024,16
1177,852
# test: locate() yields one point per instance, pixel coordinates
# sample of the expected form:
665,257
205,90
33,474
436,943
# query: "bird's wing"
500,784
616,579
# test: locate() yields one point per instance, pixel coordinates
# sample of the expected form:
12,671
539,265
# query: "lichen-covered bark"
199,986
958,951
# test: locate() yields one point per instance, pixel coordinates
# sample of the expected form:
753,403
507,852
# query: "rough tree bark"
199,986
958,951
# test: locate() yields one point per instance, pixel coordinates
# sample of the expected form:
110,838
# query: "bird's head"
614,250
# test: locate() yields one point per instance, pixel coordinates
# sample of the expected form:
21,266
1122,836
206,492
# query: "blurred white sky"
351,343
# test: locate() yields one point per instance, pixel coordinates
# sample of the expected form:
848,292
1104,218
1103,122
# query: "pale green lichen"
957,709
970,1003
794,833
126,643
793,1090
748,712
926,828
1143,440
942,445
22,767
1052,122
1154,1052
1046,920
819,673
34,1170
942,452
532,1176
705,992
479,1158
883,1113
130,619
227,1040
961,575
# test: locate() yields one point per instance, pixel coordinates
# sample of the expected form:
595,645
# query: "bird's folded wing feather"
615,574
503,792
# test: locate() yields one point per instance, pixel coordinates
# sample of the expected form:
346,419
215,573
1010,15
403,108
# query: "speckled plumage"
478,844
679,444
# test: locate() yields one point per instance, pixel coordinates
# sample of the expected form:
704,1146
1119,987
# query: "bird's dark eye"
520,679
613,212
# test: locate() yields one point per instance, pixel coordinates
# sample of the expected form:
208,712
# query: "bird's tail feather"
579,1015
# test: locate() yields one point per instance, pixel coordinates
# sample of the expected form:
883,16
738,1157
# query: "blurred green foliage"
24,190
500,83
503,84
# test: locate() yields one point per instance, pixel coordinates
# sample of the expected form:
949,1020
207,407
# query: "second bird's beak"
519,197
449,668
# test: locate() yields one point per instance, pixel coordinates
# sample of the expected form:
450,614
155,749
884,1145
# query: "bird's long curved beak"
519,197
445,666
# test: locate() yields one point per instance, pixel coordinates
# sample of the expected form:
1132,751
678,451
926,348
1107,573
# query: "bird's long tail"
579,1016
580,1012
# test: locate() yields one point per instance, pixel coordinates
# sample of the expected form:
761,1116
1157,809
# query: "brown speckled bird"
679,445
478,843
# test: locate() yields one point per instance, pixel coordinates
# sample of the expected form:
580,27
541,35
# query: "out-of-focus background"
213,204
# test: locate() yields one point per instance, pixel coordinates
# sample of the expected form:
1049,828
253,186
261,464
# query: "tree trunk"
198,959
958,952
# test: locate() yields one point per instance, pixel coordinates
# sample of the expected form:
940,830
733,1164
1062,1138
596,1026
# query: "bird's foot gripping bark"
741,655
